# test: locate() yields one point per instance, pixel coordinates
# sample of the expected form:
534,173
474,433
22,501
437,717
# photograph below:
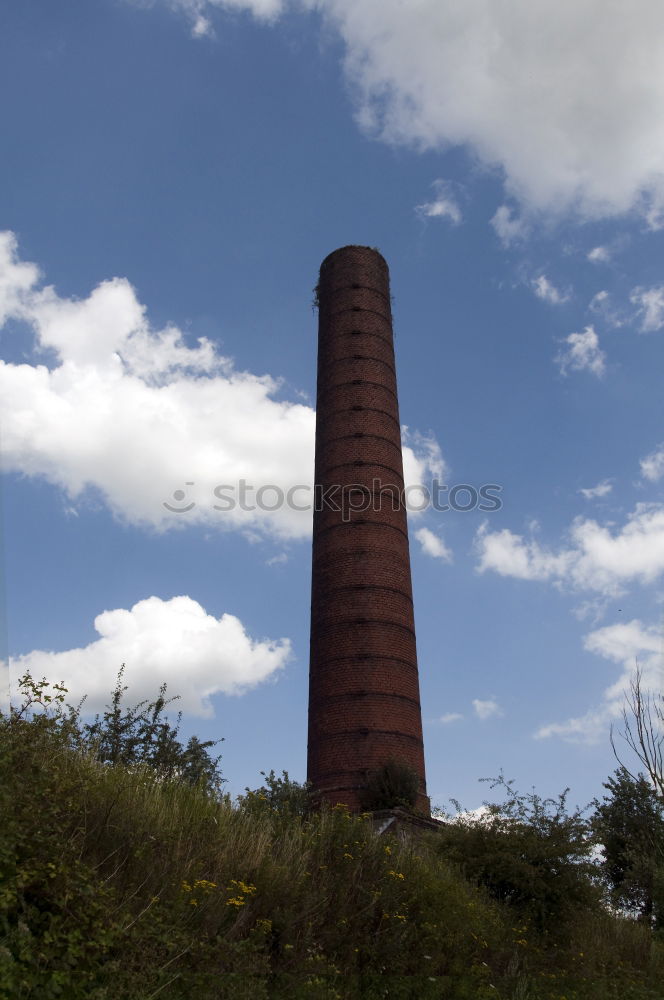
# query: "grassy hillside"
118,883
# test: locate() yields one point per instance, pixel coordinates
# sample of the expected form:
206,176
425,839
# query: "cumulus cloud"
486,709
582,353
598,300
433,545
652,466
581,81
649,304
599,255
508,226
595,558
626,643
279,560
509,554
481,816
422,456
152,423
443,206
548,292
602,305
422,462
201,27
199,12
17,278
595,492
175,641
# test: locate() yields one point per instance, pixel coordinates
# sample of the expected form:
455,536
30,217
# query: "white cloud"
599,255
16,278
433,545
583,353
581,81
548,292
650,307
481,816
486,709
198,12
592,609
654,211
594,492
602,305
594,559
422,457
652,466
422,462
201,27
598,300
146,420
510,555
279,560
509,227
443,206
175,641
450,717
625,643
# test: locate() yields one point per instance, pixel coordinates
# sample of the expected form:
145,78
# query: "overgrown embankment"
118,884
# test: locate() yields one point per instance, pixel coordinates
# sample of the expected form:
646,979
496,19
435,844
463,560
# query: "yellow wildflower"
202,883
243,888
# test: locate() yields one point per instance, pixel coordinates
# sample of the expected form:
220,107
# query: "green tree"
142,734
629,824
528,852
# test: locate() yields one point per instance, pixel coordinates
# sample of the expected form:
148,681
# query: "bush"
529,853
143,735
392,785
280,795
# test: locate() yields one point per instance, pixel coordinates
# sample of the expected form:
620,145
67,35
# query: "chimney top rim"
354,246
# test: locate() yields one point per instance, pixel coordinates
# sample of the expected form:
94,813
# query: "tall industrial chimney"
364,704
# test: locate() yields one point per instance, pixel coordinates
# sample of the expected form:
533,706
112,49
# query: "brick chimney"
364,704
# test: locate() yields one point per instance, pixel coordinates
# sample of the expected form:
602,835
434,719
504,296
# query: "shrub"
529,853
394,784
279,795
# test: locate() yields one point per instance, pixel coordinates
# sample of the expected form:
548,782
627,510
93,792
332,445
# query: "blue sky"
172,175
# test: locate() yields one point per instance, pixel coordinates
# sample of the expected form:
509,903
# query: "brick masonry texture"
364,704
